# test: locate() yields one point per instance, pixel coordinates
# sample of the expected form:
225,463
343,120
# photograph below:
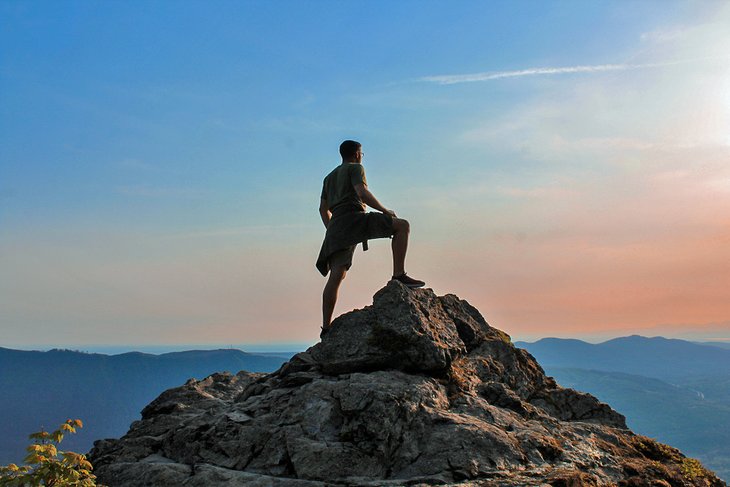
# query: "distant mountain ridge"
634,354
43,389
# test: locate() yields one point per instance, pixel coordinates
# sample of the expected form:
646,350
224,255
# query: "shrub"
47,466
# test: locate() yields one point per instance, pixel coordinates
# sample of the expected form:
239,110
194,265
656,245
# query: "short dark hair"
349,148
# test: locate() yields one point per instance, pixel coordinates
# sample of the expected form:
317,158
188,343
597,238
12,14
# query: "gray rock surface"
416,389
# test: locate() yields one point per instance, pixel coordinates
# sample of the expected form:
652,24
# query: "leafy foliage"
45,468
692,469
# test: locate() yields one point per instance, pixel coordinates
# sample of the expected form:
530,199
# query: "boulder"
417,389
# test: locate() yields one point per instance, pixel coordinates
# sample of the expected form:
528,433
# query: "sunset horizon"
563,165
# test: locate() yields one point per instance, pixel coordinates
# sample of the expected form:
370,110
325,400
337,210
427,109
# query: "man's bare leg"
402,230
399,245
329,295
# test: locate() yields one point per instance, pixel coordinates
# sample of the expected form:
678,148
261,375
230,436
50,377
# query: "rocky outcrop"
416,389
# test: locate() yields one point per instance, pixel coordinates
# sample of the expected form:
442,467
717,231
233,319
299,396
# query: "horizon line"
283,347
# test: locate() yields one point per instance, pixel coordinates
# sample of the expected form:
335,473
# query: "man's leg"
399,245
329,295
401,231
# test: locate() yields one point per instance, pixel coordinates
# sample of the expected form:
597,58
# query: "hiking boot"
409,281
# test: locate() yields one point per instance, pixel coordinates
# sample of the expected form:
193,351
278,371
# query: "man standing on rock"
342,208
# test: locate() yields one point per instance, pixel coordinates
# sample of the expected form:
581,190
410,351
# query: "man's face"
358,155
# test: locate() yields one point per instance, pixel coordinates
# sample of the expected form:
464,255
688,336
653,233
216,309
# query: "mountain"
635,355
43,389
673,414
415,389
704,368
688,410
725,345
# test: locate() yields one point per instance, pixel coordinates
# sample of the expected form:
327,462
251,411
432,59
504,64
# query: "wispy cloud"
664,35
450,79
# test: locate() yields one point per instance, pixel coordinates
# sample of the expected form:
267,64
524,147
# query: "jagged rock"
416,389
402,330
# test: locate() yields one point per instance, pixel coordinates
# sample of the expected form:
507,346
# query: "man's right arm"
369,199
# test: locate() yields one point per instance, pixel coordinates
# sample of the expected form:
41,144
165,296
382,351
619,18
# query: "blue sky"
160,163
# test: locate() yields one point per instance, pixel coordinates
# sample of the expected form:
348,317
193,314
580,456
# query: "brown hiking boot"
409,281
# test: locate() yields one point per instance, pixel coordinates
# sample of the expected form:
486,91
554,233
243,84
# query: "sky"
564,165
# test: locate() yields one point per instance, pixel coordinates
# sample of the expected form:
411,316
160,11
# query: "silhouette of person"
345,195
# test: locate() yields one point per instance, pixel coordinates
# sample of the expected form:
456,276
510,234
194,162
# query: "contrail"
450,79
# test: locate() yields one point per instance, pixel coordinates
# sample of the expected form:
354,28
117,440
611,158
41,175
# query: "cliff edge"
416,389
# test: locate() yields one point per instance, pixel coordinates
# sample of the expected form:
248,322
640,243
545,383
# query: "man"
342,208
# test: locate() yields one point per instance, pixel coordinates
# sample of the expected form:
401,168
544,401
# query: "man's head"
351,151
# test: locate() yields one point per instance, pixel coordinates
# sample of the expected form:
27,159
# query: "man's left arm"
369,199
324,212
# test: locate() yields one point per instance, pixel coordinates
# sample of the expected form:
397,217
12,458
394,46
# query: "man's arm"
369,199
324,211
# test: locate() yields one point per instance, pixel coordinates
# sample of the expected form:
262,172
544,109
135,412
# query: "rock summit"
417,389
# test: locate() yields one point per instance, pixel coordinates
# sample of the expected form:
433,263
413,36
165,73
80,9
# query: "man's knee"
338,273
401,225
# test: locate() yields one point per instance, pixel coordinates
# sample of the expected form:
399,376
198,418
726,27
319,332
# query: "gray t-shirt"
339,185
